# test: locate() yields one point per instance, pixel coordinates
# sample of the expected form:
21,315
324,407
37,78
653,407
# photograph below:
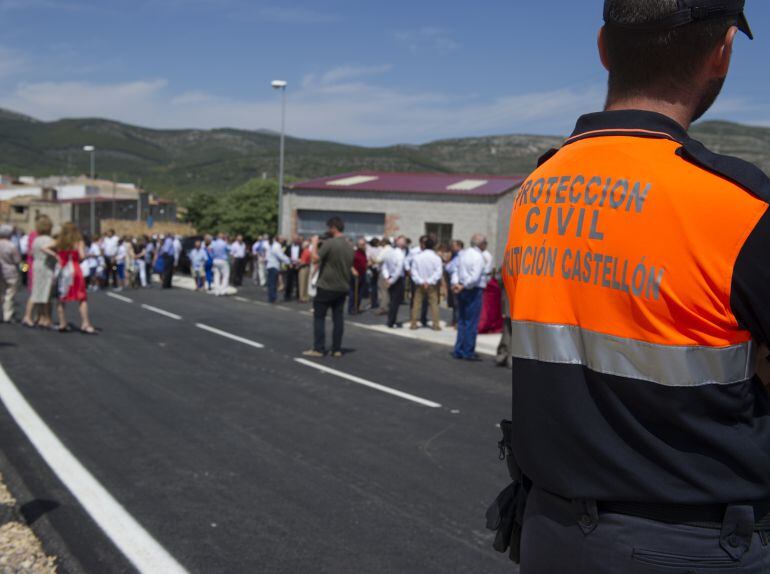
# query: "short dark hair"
656,62
429,243
336,223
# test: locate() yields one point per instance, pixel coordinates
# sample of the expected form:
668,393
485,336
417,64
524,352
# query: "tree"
250,209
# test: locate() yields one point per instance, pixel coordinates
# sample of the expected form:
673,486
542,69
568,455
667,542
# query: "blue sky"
359,71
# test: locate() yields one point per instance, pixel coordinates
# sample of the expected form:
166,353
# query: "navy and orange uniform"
638,275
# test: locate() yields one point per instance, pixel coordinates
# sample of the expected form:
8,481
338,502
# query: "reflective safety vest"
638,274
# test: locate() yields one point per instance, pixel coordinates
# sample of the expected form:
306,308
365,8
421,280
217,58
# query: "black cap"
687,12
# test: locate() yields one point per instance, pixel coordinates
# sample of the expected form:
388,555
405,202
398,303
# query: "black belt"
704,516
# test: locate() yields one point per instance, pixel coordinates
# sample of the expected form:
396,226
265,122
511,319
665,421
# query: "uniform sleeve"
750,297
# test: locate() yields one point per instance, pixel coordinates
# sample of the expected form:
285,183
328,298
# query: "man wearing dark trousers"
640,429
393,273
293,252
335,257
167,254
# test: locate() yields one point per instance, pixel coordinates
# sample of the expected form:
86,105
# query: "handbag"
312,289
65,278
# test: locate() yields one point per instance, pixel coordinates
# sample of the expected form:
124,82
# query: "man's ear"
602,42
720,61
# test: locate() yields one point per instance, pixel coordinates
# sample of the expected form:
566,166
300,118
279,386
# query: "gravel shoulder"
20,550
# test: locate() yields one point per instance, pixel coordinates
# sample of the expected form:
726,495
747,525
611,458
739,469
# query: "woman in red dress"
71,283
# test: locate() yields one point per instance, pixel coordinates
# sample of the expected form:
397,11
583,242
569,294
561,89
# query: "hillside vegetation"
178,163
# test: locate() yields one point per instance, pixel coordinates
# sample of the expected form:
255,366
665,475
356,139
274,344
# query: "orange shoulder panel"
621,236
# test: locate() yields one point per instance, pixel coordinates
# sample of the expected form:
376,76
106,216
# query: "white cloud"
338,105
353,72
51,100
427,39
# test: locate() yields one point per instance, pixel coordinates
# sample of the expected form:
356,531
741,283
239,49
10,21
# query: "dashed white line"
230,336
243,299
120,297
162,312
370,384
138,546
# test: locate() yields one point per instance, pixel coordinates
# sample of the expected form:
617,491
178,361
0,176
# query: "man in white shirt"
382,286
110,251
220,250
467,281
177,249
489,266
275,258
238,253
259,256
426,272
292,273
393,273
413,252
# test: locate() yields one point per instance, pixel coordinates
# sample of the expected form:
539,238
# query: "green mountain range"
175,163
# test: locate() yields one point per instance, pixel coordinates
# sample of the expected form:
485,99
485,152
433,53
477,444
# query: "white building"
411,204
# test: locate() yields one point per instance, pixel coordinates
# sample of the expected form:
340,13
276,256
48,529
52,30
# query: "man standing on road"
393,274
373,253
638,420
221,264
238,253
336,260
427,269
292,273
110,251
467,281
166,254
275,259
10,280
358,280
259,256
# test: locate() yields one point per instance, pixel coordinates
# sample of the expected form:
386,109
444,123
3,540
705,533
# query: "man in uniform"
638,275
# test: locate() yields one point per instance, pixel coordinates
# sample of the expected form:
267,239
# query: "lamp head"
278,84
89,148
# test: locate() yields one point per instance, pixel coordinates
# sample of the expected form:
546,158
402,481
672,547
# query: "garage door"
357,224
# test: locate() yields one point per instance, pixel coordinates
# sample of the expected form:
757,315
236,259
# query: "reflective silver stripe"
673,366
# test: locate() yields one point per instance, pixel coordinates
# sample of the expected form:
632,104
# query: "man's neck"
680,113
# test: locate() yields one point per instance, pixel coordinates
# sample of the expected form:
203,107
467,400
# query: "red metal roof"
431,183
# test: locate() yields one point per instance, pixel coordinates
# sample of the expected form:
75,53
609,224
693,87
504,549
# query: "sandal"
89,331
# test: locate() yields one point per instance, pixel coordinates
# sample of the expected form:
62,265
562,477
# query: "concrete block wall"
407,214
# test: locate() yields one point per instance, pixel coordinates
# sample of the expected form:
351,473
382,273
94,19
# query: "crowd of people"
379,275
63,268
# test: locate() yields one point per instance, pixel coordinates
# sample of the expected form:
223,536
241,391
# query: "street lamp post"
92,150
281,85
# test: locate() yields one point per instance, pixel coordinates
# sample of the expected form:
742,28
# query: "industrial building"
376,204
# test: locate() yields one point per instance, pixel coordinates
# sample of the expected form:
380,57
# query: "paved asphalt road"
240,459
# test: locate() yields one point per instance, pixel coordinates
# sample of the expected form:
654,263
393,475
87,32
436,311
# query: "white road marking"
243,299
282,308
162,312
138,546
227,335
370,384
120,297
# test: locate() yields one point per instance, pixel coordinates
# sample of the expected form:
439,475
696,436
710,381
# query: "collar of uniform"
634,123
